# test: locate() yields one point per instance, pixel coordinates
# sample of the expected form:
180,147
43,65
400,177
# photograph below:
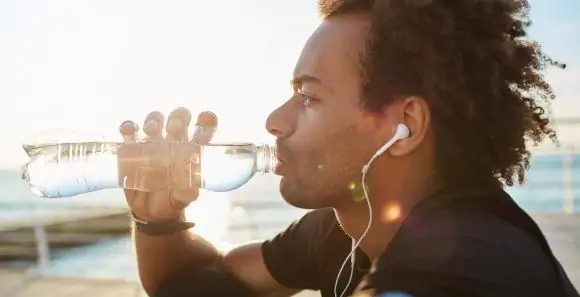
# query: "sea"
254,211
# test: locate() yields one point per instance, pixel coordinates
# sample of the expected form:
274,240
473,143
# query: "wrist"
148,219
161,227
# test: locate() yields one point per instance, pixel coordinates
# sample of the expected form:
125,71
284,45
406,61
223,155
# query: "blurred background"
89,65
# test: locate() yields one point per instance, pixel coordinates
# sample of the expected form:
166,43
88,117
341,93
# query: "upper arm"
287,263
246,262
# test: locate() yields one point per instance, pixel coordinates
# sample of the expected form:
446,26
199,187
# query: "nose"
282,121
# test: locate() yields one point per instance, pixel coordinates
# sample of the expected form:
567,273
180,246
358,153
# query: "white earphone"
401,133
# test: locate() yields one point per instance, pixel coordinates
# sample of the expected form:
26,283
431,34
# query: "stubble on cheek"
337,159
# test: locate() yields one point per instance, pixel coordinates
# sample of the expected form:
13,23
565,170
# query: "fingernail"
127,122
151,126
128,128
174,126
207,118
181,113
155,116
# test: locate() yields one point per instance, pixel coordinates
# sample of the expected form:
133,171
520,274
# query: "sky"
88,65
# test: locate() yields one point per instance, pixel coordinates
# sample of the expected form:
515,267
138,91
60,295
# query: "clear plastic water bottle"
65,169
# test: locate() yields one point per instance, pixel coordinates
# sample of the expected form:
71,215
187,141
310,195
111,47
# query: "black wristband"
161,228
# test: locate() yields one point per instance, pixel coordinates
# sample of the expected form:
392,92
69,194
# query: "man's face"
324,137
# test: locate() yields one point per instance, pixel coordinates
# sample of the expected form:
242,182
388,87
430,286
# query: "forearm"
160,257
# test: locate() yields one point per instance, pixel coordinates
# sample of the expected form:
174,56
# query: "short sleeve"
291,256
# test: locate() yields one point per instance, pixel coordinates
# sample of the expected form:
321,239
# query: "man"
460,75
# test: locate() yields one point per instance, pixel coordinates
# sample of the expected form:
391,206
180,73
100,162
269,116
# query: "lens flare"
356,191
391,212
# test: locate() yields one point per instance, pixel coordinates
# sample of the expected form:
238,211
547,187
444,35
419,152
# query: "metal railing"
568,182
556,169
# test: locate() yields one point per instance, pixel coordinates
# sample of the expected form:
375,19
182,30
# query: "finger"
178,124
153,125
145,181
128,130
206,126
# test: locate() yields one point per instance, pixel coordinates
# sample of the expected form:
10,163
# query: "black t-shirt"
454,243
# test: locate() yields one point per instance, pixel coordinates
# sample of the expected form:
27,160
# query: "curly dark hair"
471,61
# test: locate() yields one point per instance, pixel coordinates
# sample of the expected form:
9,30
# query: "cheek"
331,139
332,172
344,158
334,152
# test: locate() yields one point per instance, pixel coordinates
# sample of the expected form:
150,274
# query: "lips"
281,154
279,167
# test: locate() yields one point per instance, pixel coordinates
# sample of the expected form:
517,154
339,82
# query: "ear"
415,113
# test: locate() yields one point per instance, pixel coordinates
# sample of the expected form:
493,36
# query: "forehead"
332,52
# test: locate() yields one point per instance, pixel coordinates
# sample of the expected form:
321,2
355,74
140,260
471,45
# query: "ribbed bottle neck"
266,159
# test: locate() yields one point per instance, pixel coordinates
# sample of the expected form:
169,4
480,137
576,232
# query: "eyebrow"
299,80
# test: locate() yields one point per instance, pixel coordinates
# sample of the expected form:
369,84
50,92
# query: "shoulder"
459,251
447,238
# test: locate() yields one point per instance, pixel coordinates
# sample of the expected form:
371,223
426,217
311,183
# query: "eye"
306,98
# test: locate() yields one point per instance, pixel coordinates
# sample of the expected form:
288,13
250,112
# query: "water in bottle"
70,168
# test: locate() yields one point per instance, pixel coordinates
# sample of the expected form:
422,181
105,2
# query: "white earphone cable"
402,132
355,245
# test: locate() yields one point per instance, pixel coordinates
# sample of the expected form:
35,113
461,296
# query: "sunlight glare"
391,212
210,213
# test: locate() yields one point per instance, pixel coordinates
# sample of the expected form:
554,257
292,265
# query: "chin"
298,202
301,196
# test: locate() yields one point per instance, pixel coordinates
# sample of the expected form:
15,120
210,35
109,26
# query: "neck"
390,202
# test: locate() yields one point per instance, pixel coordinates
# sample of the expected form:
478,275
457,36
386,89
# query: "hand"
169,203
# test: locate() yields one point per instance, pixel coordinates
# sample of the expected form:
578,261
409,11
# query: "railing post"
567,180
42,247
246,220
